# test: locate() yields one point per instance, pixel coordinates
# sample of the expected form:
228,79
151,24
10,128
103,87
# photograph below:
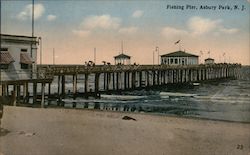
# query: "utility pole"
224,56
94,55
33,2
32,28
53,56
32,35
1,48
40,39
122,46
157,50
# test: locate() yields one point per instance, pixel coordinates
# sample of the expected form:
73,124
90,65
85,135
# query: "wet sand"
33,131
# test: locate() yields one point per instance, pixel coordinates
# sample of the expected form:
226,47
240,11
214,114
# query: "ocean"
227,100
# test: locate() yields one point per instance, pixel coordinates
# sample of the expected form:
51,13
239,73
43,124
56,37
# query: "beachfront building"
18,57
209,61
179,58
122,59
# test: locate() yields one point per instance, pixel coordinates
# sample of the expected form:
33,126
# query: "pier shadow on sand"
3,132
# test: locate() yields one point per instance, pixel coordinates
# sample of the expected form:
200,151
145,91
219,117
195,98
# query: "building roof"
209,59
6,58
122,56
25,58
179,54
18,39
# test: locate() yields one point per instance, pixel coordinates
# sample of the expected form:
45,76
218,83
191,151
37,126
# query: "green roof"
179,54
122,56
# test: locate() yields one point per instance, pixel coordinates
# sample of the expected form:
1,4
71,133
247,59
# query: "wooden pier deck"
114,78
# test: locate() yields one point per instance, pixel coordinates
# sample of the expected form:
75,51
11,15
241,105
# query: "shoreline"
72,131
140,113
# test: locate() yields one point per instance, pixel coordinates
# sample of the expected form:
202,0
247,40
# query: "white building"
179,58
18,57
209,61
122,59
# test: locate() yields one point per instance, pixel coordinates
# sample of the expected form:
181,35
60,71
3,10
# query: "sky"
75,27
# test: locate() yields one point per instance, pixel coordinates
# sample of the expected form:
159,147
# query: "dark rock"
128,118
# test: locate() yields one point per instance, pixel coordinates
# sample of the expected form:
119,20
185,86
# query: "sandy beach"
33,131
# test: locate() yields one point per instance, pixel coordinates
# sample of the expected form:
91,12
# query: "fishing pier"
110,79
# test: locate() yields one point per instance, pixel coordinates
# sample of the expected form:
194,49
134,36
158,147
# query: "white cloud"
199,25
128,30
170,31
229,31
102,22
51,17
82,33
137,14
26,13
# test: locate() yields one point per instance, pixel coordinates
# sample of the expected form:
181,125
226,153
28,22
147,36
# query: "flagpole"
32,35
0,47
153,57
178,42
33,2
94,55
122,46
157,50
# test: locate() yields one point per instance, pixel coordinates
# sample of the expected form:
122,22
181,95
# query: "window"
24,50
4,66
4,49
24,66
183,61
171,61
176,61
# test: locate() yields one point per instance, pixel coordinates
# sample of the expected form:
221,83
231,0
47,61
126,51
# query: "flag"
208,52
177,42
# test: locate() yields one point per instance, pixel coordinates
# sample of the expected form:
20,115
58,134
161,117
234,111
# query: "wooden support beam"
86,85
59,97
125,80
49,89
63,86
118,80
158,77
97,76
4,90
113,80
24,92
59,86
104,81
108,81
74,86
133,80
7,89
153,72
140,79
34,92
128,80
18,93
14,92
43,94
147,79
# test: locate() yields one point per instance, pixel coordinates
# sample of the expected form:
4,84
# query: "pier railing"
50,70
